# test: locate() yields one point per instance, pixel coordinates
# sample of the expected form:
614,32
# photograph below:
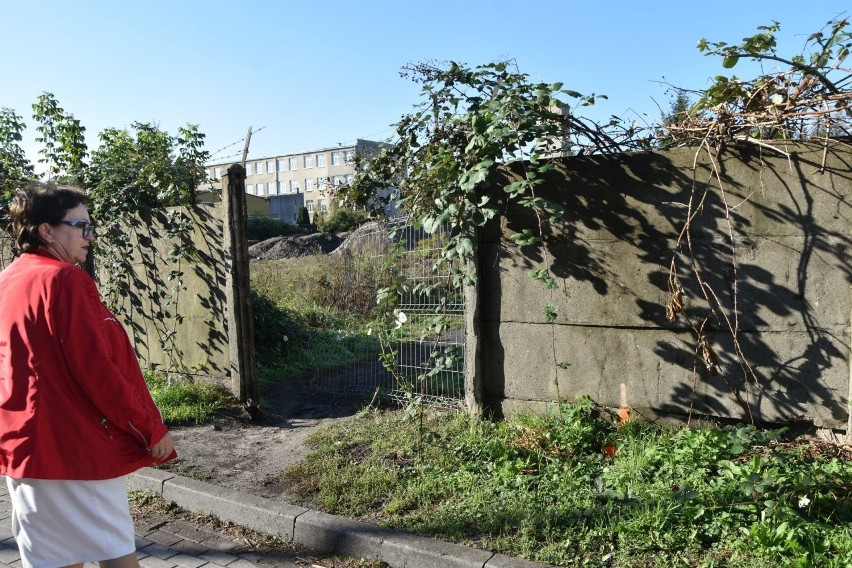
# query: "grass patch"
182,401
574,489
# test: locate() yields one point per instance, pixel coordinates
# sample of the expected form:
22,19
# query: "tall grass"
304,307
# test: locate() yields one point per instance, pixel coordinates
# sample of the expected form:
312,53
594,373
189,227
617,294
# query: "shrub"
322,285
277,330
342,220
262,228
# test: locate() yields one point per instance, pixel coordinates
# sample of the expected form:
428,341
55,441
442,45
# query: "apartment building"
291,181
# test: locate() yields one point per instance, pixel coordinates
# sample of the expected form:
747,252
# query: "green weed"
573,488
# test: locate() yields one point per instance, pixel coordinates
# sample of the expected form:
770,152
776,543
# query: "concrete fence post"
238,289
472,341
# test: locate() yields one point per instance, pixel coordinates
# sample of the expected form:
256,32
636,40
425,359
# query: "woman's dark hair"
37,204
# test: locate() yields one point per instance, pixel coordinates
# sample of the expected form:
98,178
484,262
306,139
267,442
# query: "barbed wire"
240,141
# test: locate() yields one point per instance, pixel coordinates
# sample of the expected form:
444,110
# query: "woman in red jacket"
75,413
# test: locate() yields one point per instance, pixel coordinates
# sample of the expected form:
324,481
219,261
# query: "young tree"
15,169
678,113
63,140
145,167
191,159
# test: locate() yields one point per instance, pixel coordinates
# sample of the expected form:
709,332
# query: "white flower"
804,502
400,318
285,338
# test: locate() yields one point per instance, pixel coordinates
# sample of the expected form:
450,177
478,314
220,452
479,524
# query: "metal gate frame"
419,348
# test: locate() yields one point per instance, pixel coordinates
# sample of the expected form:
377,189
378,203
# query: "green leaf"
465,246
730,61
525,237
549,313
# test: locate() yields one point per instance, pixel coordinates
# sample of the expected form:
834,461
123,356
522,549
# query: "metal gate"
416,350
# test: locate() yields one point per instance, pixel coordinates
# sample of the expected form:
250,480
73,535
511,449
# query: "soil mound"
291,247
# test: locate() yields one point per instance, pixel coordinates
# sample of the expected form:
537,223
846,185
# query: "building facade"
308,174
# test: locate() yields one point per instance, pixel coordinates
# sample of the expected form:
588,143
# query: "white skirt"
62,522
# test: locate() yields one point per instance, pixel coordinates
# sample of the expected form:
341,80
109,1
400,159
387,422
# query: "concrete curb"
319,531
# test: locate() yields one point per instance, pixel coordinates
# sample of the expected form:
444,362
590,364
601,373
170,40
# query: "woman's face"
66,242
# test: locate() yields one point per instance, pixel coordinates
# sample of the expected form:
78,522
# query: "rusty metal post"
240,320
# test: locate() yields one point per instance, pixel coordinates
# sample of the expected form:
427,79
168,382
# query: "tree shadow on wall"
174,290
788,222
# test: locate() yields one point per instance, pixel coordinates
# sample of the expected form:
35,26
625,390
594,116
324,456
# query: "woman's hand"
163,449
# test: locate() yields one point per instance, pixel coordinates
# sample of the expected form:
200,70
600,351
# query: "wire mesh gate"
419,352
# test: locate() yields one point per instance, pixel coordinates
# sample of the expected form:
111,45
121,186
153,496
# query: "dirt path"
234,452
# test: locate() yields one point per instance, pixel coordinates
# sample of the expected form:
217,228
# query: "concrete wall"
184,330
610,256
180,331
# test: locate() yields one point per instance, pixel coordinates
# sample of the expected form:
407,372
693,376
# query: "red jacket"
73,402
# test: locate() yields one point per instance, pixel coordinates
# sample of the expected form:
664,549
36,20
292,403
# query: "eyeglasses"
87,226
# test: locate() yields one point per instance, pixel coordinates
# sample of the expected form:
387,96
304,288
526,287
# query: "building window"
258,168
292,163
310,206
294,186
249,188
337,180
350,155
281,165
320,160
309,162
270,188
279,187
248,169
217,173
309,184
323,205
322,183
335,158
270,166
348,179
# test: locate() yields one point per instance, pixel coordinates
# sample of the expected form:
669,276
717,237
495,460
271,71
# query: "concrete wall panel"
790,219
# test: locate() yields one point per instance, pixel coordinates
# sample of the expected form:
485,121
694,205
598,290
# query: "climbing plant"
470,122
136,171
473,122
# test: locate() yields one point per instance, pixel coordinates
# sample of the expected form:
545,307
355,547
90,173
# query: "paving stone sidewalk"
286,534
163,541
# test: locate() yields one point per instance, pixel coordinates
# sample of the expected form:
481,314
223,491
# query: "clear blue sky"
317,73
